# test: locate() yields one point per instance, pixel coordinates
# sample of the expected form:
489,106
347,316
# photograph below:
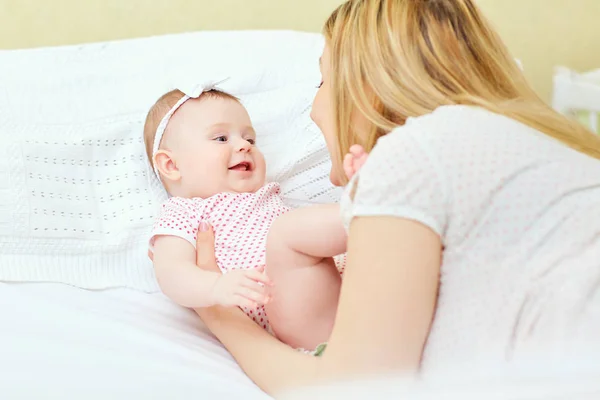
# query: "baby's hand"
241,288
354,160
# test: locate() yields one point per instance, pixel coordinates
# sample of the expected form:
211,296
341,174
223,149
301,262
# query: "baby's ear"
165,163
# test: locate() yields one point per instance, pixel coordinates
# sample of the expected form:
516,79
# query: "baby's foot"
354,160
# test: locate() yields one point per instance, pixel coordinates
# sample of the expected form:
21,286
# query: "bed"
64,342
77,194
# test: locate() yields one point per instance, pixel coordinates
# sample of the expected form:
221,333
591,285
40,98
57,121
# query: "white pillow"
77,195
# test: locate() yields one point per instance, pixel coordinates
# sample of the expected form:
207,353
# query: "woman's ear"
165,163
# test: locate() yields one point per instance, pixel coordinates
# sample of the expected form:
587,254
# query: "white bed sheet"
58,341
63,342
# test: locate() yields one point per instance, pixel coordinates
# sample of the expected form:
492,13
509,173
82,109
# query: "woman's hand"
205,258
205,248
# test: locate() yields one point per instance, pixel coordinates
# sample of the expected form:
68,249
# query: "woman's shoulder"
462,132
450,119
428,149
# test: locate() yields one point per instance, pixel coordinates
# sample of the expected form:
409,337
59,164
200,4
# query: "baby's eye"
252,141
320,84
221,138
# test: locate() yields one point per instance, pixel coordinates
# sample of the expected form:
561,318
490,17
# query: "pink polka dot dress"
241,222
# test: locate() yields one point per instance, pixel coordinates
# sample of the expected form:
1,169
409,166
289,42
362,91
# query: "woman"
471,233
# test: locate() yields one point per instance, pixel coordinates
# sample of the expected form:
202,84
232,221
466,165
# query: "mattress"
59,341
63,342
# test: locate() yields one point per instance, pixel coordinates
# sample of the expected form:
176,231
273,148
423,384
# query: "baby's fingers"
359,162
357,150
256,294
359,157
243,302
258,276
348,165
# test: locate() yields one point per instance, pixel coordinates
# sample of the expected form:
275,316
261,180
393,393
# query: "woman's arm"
386,307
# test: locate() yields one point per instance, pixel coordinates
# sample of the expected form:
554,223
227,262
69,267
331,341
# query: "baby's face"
213,144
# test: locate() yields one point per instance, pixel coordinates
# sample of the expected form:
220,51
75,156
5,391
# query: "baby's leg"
300,248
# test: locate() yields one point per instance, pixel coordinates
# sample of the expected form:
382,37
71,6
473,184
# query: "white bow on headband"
192,93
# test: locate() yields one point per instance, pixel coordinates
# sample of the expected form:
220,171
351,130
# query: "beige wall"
27,23
545,33
542,33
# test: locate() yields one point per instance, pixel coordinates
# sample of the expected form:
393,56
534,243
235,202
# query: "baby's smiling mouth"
243,166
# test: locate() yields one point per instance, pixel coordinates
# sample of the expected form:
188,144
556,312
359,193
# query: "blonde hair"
162,106
395,59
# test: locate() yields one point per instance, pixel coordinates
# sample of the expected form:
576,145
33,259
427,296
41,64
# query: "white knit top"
519,217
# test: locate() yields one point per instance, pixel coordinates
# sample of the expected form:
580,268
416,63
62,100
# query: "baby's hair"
163,105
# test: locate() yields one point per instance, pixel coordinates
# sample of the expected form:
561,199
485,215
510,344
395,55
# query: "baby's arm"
177,274
189,286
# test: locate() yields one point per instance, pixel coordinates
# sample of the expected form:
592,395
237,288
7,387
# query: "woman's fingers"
205,247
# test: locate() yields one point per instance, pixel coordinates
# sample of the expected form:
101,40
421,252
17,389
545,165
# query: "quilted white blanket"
77,196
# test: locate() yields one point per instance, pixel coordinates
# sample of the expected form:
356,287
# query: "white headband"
193,93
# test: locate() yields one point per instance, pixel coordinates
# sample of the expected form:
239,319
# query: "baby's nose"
243,146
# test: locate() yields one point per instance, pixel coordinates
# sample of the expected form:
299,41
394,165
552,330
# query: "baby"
203,149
